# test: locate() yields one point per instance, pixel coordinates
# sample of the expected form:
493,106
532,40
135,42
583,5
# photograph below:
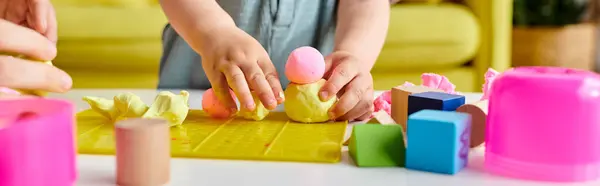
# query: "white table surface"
100,170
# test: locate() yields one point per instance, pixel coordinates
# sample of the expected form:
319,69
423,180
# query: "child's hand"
18,73
232,58
353,83
37,15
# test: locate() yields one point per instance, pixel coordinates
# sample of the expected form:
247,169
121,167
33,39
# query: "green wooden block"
377,145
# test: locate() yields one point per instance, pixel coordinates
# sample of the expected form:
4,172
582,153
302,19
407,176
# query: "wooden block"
400,101
478,111
434,101
143,152
377,146
384,118
438,141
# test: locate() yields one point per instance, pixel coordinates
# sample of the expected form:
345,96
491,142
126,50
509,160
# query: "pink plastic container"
544,124
37,146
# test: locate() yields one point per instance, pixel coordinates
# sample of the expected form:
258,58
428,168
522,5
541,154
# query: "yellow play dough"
129,105
302,103
173,108
259,112
105,107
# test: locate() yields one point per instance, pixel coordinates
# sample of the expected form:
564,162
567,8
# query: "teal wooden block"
438,141
373,145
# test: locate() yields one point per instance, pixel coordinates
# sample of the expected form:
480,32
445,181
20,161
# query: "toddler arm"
362,28
196,20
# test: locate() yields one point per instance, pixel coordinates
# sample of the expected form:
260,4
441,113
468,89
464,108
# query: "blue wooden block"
434,101
438,141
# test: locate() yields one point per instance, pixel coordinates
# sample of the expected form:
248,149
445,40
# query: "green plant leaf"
549,12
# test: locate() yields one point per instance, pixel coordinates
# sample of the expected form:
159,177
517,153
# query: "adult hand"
38,15
235,59
20,73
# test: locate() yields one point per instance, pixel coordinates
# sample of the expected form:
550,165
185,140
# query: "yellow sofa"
110,43
460,41
116,43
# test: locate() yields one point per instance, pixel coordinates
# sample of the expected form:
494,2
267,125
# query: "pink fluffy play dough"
213,107
431,80
439,82
383,102
490,76
305,65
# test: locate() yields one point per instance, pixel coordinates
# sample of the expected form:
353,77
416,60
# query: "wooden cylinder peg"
143,152
478,111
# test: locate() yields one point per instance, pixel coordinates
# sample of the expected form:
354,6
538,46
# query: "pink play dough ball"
305,65
213,107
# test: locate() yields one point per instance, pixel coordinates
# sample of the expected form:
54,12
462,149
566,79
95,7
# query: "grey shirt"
279,25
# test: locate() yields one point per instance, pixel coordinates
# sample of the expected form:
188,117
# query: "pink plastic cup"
37,146
544,124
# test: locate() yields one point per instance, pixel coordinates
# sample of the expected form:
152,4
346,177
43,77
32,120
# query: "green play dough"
302,103
259,112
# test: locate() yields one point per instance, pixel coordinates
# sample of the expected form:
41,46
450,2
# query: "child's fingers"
341,75
39,11
328,66
259,84
221,89
271,74
237,81
332,60
363,107
354,94
12,96
23,74
365,116
20,40
52,27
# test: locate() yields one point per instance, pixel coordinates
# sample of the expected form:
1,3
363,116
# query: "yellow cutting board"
275,138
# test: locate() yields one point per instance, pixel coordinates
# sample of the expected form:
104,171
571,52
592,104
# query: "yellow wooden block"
274,138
